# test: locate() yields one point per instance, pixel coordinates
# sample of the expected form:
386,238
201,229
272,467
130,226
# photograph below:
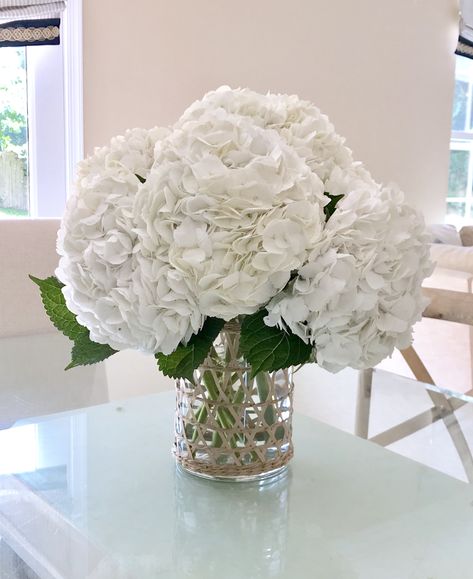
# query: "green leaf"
329,209
268,349
185,359
55,305
84,351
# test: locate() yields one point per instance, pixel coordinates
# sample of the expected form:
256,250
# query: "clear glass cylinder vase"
229,425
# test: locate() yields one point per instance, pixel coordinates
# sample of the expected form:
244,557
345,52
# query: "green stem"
210,385
239,394
223,415
212,389
201,417
262,385
216,440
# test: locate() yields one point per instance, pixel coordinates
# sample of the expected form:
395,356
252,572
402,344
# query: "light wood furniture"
446,305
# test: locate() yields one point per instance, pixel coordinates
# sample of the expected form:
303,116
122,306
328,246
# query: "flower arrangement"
249,207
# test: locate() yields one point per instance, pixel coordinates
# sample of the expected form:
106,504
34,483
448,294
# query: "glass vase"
229,425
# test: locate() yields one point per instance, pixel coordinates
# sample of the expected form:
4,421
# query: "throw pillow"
445,234
466,234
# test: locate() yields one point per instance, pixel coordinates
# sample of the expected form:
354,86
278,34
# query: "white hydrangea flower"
232,208
299,122
224,215
121,300
359,300
322,295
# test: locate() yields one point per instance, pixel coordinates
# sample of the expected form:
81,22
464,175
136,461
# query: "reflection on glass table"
422,421
95,494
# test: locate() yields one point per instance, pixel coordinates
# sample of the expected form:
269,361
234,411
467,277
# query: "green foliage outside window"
13,101
456,209
458,173
13,133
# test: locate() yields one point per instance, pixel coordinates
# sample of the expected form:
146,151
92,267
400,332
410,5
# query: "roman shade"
465,39
30,22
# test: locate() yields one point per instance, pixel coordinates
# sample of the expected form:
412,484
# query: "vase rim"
232,325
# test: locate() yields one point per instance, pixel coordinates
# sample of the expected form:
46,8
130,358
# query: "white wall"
383,71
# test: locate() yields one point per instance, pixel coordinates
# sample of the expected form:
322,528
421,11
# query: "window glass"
458,173
460,105
471,112
456,208
14,189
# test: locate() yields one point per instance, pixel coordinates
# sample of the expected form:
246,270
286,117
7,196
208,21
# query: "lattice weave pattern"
20,34
228,424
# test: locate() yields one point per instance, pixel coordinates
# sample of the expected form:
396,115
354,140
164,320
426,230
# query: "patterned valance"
465,39
30,22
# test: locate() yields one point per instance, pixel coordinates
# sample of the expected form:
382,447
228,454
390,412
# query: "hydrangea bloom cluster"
222,215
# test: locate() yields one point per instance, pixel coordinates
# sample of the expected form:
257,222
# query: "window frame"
457,144
55,116
463,141
73,89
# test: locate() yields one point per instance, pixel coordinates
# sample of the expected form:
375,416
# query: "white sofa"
446,348
453,259
33,353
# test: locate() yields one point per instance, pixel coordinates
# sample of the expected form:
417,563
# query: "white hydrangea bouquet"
249,208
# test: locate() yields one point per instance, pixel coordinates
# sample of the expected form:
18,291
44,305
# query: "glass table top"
425,422
95,494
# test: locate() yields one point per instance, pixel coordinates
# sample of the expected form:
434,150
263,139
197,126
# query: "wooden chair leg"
447,412
471,355
417,366
363,402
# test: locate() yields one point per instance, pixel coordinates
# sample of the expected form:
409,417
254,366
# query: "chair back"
33,354
27,246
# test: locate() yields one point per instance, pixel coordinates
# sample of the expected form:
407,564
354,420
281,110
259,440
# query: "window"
40,122
14,166
460,177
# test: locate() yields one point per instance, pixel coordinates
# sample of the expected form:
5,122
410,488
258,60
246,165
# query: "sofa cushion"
450,279
445,234
452,256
